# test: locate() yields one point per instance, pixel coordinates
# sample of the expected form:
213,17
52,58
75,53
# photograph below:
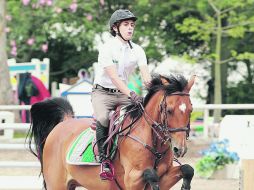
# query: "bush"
216,157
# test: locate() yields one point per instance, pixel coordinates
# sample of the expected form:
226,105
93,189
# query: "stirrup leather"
107,175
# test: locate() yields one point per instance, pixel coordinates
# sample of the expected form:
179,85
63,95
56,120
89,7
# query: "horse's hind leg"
150,176
187,172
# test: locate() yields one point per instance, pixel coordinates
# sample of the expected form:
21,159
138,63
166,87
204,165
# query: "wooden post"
247,174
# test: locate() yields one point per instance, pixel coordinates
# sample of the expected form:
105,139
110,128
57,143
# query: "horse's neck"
153,106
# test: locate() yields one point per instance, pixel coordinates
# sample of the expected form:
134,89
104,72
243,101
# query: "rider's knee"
103,120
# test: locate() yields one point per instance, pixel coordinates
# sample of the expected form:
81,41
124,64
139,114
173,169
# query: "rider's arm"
142,63
112,73
146,77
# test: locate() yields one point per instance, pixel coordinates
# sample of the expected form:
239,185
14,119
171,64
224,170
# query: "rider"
117,59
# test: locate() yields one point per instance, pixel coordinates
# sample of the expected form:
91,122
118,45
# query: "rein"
161,130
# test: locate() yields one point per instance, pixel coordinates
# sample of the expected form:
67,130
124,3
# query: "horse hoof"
185,189
156,187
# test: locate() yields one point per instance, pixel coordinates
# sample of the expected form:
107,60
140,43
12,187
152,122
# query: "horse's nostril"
175,149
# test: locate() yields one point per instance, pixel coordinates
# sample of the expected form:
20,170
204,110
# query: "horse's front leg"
139,179
188,173
150,177
174,174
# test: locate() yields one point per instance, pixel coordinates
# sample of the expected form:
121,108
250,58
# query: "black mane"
177,83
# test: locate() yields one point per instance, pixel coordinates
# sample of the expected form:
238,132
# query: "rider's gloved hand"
136,98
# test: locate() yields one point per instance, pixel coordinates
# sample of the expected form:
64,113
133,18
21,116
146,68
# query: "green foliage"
244,56
67,36
225,27
163,28
198,28
243,93
216,157
75,30
237,32
158,20
206,166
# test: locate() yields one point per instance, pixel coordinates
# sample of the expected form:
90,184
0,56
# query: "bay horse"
146,150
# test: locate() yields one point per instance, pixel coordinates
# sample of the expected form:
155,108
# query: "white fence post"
206,124
7,117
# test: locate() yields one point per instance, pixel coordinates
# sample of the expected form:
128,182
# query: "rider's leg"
101,136
103,103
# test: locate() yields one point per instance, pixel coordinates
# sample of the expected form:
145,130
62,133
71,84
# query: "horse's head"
175,108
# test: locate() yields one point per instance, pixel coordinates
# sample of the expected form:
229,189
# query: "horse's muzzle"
179,152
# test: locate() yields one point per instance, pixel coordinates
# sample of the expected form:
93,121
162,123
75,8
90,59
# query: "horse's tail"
45,115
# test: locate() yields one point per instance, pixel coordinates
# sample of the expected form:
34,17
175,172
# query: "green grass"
196,114
19,134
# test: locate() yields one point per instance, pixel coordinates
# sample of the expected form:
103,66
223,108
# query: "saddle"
84,151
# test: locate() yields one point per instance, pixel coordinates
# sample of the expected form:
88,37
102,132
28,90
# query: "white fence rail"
14,107
16,164
18,146
21,182
15,126
207,107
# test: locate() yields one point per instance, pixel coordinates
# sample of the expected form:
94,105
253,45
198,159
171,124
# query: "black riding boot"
101,136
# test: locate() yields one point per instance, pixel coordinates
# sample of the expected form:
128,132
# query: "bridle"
161,130
163,126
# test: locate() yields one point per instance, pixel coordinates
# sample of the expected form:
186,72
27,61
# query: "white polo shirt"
115,52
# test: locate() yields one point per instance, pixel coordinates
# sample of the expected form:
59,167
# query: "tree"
222,19
68,28
158,32
63,31
5,84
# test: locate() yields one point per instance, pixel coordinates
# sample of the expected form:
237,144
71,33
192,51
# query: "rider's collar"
121,44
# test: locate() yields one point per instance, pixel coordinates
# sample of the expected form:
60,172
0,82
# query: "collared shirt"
115,52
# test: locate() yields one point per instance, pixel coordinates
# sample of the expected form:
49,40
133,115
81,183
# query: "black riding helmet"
117,17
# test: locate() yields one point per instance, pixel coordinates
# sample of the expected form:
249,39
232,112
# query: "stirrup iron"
107,175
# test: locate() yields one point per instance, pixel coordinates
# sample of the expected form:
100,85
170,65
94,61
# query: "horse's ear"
190,83
164,80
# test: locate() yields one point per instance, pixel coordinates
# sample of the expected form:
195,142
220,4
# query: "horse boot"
106,166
